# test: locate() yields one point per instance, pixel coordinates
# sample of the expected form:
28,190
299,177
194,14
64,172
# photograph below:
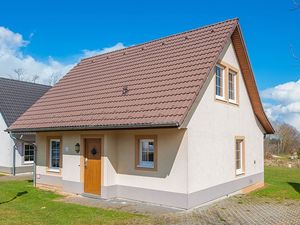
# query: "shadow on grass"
19,194
296,186
30,181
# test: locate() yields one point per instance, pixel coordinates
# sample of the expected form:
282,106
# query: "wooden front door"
92,166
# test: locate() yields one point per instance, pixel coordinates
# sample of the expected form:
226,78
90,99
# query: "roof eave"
257,106
98,127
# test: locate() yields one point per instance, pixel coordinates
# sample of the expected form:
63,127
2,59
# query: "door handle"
85,162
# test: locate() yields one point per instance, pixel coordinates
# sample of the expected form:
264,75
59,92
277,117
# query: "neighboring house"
15,98
176,121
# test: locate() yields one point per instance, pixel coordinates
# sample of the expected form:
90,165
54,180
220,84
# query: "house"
177,121
15,98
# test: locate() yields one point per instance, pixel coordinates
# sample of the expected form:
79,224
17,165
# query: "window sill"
239,174
53,170
28,163
138,167
233,103
218,98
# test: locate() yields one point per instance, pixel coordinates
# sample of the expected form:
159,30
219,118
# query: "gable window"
240,155
220,84
28,153
232,86
146,152
55,154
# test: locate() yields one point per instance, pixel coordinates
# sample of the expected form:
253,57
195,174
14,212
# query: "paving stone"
236,210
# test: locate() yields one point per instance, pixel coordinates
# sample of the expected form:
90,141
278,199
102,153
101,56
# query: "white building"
177,121
15,98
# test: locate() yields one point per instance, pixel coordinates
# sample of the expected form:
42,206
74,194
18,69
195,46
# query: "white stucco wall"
211,137
118,158
171,174
6,151
71,172
110,157
6,145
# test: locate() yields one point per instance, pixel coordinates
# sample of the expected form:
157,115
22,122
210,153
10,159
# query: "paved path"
235,210
241,210
120,204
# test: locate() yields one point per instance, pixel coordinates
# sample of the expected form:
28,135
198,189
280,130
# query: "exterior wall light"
77,148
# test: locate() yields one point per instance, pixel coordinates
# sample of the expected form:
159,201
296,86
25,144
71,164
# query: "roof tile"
17,96
163,78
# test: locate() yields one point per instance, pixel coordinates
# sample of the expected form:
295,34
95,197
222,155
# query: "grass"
20,203
281,183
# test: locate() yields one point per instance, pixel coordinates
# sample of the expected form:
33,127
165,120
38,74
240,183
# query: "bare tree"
289,138
54,78
272,145
18,74
286,140
35,78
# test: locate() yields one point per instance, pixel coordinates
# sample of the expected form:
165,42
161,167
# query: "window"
240,155
232,86
227,86
28,153
220,84
146,152
55,153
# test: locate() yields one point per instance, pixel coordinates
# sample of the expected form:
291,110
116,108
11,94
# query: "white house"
15,98
177,121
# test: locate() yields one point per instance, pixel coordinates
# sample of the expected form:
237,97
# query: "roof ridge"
161,38
24,81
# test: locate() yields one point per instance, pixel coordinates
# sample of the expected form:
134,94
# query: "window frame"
24,151
241,170
138,152
227,68
223,80
49,155
235,80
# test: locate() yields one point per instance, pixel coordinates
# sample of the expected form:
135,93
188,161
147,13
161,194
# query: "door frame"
83,139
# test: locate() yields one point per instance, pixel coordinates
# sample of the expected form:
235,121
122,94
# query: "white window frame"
51,168
234,86
27,162
239,171
222,70
146,164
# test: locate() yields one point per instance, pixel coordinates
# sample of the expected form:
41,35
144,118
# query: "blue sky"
56,33
61,29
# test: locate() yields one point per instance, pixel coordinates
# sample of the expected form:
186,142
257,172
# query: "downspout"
14,155
34,164
14,160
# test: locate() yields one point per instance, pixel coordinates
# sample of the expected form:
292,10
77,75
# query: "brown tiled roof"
148,85
17,96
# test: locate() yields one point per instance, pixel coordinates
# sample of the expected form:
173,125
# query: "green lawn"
281,183
20,203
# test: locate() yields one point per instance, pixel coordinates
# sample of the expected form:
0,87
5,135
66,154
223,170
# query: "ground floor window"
28,153
240,155
55,153
146,152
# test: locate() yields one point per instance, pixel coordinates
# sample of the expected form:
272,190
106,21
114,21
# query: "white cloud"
90,53
282,103
13,58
